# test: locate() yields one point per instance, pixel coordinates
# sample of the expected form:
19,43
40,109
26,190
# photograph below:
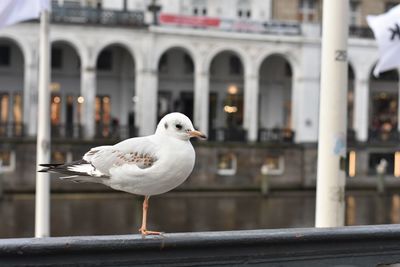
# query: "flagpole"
42,205
332,116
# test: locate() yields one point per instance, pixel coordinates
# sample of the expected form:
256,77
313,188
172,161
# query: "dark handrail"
361,246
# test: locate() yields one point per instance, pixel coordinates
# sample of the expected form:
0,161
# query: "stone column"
250,123
146,90
126,89
305,99
30,100
361,103
201,100
88,91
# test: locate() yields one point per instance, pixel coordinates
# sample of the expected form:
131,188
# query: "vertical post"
361,103
332,120
201,100
251,89
146,84
42,209
30,101
88,91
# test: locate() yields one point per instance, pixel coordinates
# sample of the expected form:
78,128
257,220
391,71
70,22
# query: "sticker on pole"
339,148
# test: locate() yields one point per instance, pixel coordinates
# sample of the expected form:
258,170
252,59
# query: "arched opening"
383,111
226,98
275,100
175,74
115,99
350,103
11,88
65,105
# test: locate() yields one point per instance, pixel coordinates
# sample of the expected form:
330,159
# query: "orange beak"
197,134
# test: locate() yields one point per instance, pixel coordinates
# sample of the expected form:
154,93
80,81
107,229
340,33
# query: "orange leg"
143,230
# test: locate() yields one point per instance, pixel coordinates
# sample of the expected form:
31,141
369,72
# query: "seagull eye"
178,126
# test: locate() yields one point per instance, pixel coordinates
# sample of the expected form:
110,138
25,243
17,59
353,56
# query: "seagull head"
179,126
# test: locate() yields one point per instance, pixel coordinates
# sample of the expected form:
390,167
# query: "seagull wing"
139,151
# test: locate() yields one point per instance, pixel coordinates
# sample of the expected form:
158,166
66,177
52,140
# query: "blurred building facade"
246,72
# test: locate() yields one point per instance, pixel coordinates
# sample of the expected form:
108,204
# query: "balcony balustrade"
11,129
97,16
276,135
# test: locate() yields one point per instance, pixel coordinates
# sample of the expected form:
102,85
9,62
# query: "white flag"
13,11
386,28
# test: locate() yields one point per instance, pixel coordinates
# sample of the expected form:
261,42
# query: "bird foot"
145,232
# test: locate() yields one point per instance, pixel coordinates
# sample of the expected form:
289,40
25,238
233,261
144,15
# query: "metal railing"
276,135
76,131
361,32
66,131
360,246
11,130
377,135
234,134
88,15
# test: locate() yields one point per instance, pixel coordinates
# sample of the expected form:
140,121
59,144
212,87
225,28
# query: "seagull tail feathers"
80,170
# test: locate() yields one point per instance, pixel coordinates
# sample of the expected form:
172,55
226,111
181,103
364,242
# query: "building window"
199,8
4,110
103,116
56,58
307,10
55,110
10,111
188,64
243,9
351,166
17,114
105,61
355,13
381,163
227,164
7,161
235,66
5,55
164,101
273,165
384,115
163,65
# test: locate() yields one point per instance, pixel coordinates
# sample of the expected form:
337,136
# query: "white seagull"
147,166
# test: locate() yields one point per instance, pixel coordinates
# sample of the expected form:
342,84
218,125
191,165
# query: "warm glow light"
352,163
351,211
80,99
230,109
233,89
57,99
395,210
397,164
55,87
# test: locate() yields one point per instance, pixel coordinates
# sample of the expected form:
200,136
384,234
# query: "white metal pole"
42,209
332,116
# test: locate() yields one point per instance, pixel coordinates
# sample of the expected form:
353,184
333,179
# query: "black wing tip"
49,166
